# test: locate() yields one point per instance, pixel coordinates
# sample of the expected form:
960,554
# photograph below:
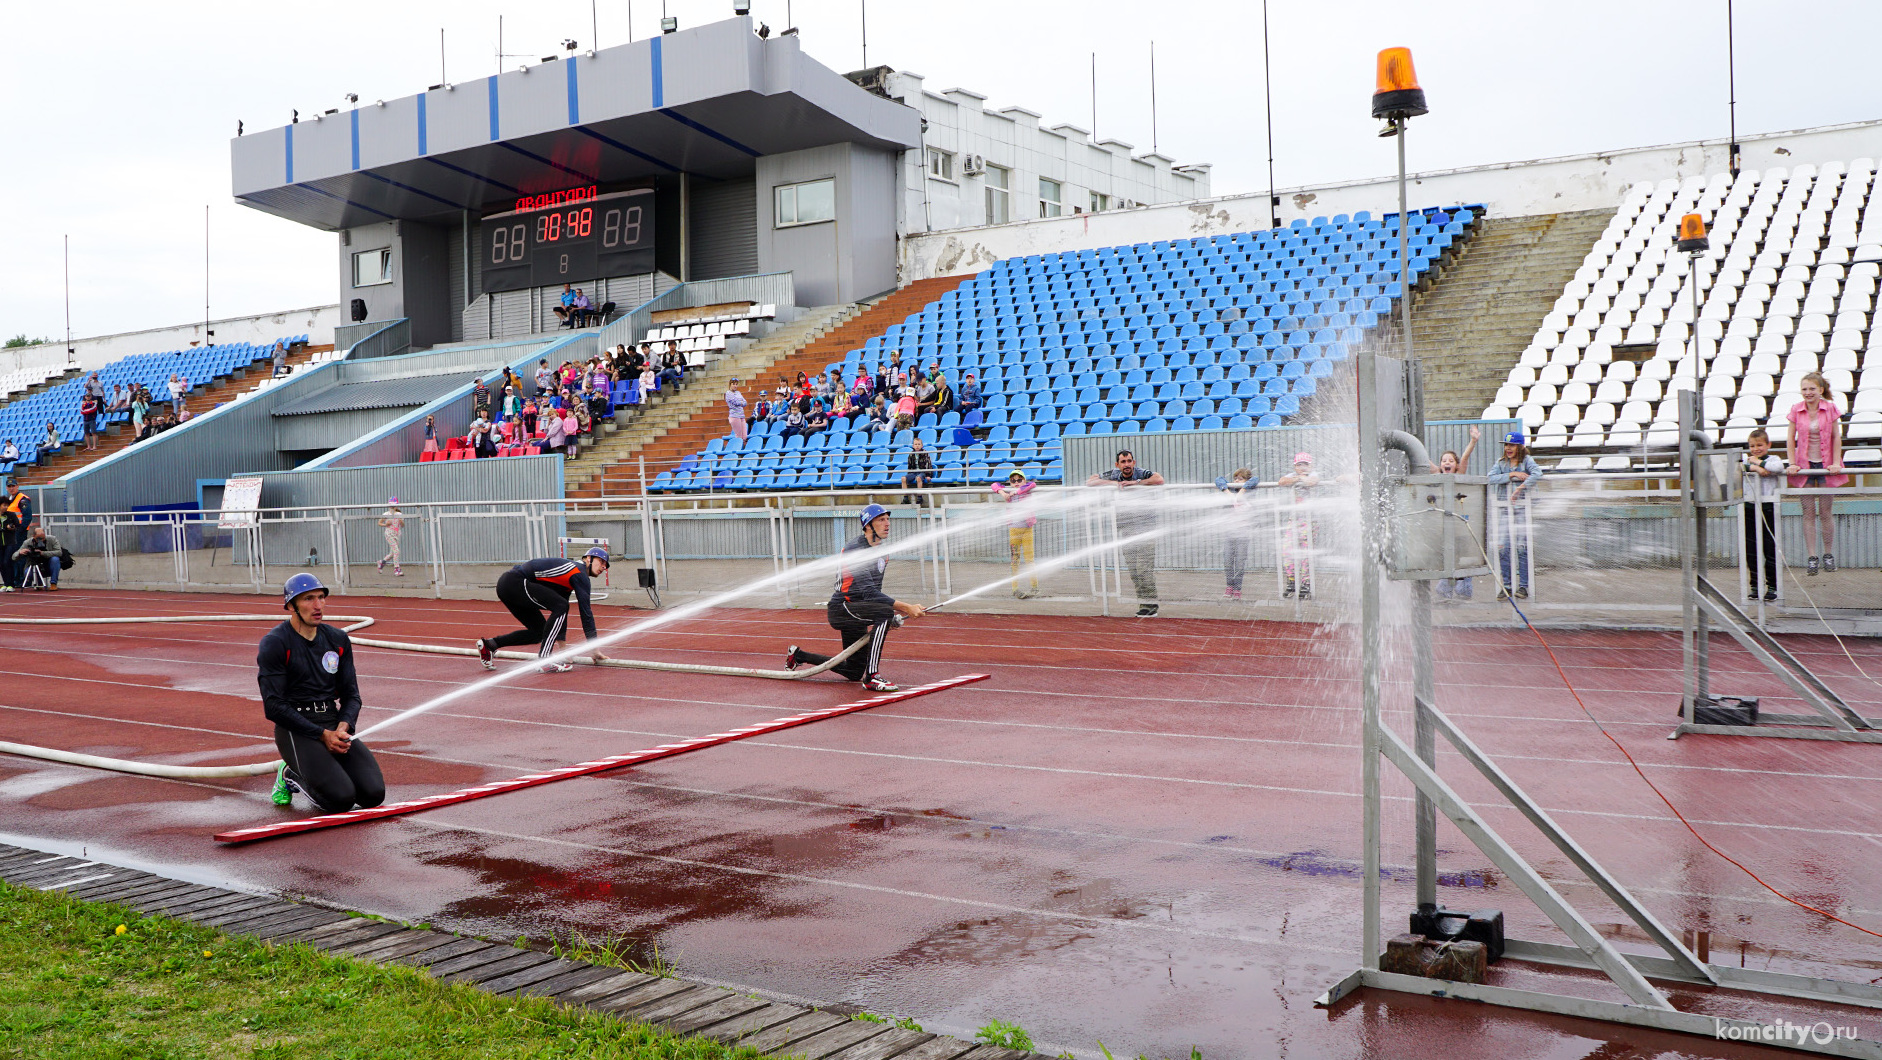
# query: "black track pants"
864,662
529,603
336,783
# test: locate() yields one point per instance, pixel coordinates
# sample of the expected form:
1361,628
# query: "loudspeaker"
646,577
358,310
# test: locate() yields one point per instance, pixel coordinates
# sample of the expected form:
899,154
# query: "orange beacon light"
1692,234
1397,94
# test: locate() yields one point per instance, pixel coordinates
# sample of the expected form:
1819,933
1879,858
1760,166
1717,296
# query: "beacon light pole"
1396,99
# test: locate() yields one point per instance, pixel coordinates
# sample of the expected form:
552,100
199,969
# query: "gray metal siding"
724,236
329,430
386,132
457,265
457,118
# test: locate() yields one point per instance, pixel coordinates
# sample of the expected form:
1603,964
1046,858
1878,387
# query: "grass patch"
100,981
1005,1035
622,953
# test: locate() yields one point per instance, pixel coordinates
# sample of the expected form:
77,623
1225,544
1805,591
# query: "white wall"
1514,189
1012,138
317,323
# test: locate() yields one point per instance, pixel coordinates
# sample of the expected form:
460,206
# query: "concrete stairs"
119,435
1470,326
617,451
697,414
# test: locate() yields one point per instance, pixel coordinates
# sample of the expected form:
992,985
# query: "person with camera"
41,550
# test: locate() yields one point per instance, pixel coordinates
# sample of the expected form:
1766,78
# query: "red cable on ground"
1669,803
601,765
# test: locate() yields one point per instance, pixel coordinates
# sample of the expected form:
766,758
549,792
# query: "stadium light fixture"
569,45
669,25
353,98
741,7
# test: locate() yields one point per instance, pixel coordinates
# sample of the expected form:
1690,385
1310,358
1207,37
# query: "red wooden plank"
582,769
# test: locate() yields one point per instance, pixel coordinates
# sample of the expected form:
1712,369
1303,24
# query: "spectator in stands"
508,429
1514,478
919,474
95,387
479,438
885,380
880,419
140,408
672,369
50,444
120,399
970,394
530,418
594,409
1241,486
600,378
565,312
15,517
512,381
1135,519
828,384
735,409
555,439
545,377
1762,468
793,420
1452,464
905,409
569,377
9,453
431,434
863,383
89,407
815,420
571,432
280,358
840,405
940,395
584,309
649,382
1019,529
480,399
41,550
510,405
636,358
1816,444
179,386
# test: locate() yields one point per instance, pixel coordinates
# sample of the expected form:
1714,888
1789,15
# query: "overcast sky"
117,115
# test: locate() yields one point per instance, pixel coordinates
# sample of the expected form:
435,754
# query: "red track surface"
1144,833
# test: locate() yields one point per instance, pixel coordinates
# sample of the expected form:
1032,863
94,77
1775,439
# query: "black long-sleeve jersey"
308,685
859,596
569,577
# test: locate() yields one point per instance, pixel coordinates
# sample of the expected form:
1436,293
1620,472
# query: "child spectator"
572,430
1816,443
735,409
905,410
1761,481
529,418
393,522
1452,464
1297,530
1235,546
1019,529
1514,477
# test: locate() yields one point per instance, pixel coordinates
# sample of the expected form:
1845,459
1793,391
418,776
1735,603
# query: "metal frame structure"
1646,1005
1710,478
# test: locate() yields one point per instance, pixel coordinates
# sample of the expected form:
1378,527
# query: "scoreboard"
570,236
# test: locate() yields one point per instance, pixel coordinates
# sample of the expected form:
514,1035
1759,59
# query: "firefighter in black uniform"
311,693
859,609
537,592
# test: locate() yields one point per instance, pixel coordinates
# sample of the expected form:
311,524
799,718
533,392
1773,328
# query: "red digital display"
554,198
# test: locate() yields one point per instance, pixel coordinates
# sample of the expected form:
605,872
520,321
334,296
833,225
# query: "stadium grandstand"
1786,288
1200,334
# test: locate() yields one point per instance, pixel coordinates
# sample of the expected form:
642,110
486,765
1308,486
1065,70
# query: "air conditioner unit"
973,165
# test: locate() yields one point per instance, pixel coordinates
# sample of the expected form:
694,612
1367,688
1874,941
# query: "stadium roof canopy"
706,102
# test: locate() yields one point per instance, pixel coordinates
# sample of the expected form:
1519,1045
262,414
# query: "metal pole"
206,332
1153,97
1094,97
68,298
1689,597
1370,630
865,9
1267,91
1404,247
1424,692
1731,88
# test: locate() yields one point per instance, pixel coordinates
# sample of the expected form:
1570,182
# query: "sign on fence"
241,498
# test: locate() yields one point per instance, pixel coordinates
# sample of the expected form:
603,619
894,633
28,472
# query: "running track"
1140,833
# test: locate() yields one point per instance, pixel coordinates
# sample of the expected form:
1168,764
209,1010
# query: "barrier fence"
1587,542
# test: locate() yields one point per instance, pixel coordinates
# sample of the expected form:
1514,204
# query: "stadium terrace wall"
233,438
316,322
1512,189
1204,456
401,440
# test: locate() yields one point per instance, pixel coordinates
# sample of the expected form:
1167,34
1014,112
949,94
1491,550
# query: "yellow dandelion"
122,929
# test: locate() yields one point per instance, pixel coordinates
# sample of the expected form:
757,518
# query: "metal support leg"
1425,812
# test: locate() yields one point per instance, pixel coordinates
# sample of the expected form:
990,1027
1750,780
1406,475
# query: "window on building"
940,163
999,206
1050,192
1100,203
806,204
372,267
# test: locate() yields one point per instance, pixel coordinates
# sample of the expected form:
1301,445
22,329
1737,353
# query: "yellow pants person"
1019,546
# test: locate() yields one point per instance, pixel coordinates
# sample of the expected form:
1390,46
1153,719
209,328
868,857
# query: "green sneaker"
284,788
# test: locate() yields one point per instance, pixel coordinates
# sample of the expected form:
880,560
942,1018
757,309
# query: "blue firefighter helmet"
298,586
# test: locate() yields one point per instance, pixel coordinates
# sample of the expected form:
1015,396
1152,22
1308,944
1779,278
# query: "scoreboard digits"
568,237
